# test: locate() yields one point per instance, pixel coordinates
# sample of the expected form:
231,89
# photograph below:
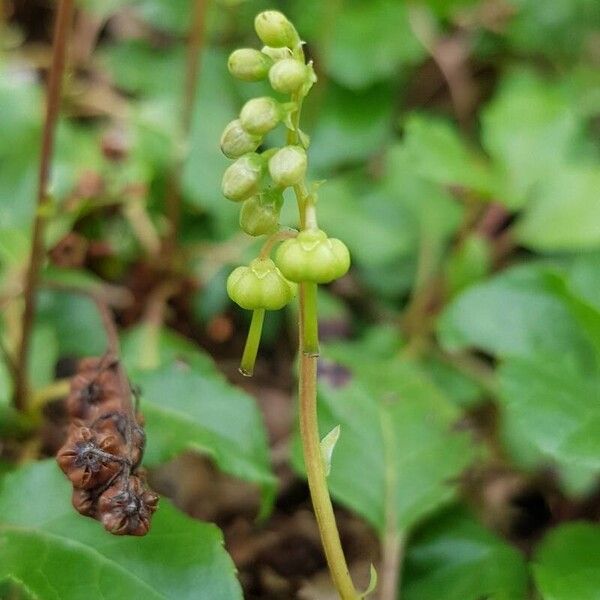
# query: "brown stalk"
59,50
192,74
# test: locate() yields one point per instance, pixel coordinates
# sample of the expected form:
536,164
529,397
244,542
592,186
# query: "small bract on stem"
304,259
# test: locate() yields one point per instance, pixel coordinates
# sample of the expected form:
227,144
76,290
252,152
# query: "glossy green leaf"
188,404
397,448
561,28
563,213
555,408
57,553
345,133
369,42
530,130
516,313
75,321
141,69
215,107
455,558
438,153
567,563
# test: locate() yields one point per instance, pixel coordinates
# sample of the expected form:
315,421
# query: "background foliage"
459,140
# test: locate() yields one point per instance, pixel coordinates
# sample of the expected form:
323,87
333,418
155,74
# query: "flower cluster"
258,180
104,449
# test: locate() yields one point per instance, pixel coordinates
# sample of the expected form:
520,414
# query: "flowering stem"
252,342
307,384
310,337
59,50
317,483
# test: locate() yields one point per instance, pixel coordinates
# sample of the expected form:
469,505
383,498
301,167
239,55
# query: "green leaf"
563,213
168,348
470,262
517,313
437,153
327,447
555,408
345,133
397,446
460,389
530,129
43,355
75,321
57,553
215,107
561,29
139,68
567,563
455,558
188,404
369,42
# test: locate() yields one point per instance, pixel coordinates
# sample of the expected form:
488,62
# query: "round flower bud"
288,75
288,166
249,64
260,214
274,29
313,257
276,54
242,178
259,115
260,285
236,141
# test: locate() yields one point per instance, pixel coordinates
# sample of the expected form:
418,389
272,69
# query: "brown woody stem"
59,50
192,74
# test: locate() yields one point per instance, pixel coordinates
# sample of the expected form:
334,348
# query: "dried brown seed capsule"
85,501
104,449
95,383
89,459
126,507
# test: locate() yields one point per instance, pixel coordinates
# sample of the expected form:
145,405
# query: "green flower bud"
260,214
242,179
260,285
313,257
287,166
276,54
288,75
249,64
260,115
274,29
236,141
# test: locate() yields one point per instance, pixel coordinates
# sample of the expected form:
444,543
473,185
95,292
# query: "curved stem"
252,343
317,483
307,383
279,236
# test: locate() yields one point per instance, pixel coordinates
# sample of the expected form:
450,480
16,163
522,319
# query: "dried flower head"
126,507
88,458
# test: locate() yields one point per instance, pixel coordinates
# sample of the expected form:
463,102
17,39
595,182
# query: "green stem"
252,343
310,337
307,384
284,234
317,483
